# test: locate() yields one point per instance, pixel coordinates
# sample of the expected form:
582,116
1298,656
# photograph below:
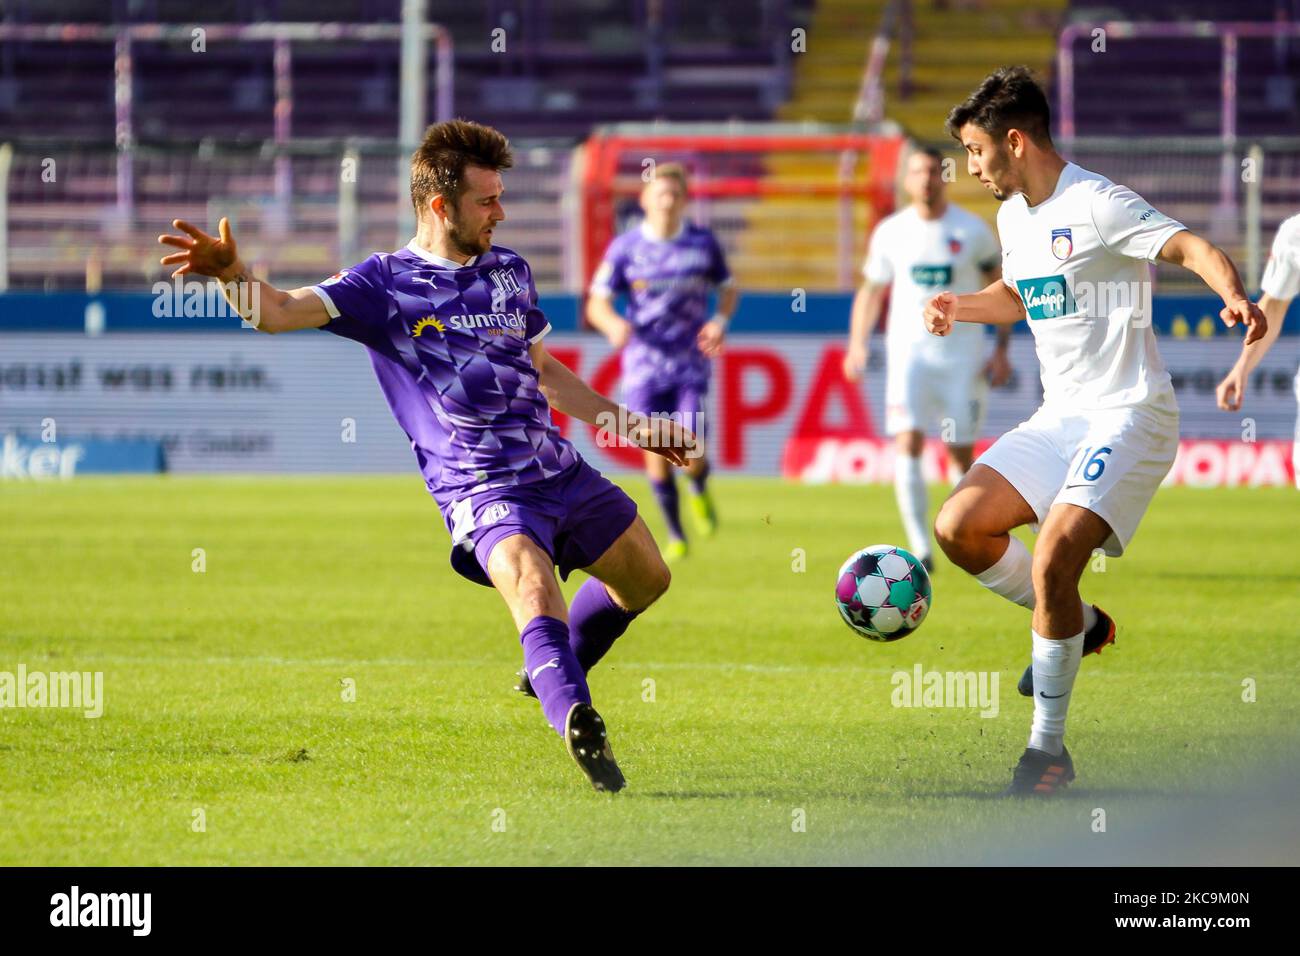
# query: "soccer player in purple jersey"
668,269
454,333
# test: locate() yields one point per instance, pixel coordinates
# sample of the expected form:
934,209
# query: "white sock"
913,503
1056,662
955,471
1012,575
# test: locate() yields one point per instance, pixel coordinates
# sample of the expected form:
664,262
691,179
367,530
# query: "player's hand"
665,436
710,338
941,313
1245,311
619,334
1232,390
202,254
998,368
855,362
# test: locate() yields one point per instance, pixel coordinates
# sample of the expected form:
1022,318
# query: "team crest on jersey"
335,278
1062,243
505,281
954,245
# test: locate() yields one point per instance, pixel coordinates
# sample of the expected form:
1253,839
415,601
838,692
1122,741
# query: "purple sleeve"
718,271
358,301
535,322
611,279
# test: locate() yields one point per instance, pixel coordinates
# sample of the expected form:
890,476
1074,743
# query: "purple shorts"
685,401
573,516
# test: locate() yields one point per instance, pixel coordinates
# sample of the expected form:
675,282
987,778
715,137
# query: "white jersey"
1282,281
1282,274
1079,261
919,258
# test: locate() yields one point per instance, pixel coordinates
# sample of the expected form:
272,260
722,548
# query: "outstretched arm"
1232,390
998,367
605,319
261,304
995,304
1208,261
709,339
863,318
571,395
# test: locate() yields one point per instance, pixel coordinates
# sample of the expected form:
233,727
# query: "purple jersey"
668,283
449,344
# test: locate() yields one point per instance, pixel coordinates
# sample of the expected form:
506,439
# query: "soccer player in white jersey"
1281,284
929,381
1076,250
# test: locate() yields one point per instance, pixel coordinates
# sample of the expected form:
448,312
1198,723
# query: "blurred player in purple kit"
454,332
669,269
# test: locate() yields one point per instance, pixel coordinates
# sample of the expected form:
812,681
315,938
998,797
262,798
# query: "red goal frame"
602,153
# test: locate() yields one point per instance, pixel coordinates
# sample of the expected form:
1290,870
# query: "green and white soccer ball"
883,592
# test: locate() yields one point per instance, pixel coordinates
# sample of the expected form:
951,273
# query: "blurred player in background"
930,382
669,269
1280,285
1085,466
455,337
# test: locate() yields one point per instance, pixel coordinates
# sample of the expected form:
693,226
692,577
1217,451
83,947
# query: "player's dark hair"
933,152
438,166
1009,98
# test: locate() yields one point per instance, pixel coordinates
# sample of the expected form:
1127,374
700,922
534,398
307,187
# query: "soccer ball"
883,593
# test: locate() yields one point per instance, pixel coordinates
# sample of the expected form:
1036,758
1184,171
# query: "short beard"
464,244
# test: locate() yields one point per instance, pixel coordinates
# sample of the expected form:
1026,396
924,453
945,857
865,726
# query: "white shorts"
946,399
1110,462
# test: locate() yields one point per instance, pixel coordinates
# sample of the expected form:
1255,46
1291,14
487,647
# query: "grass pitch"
753,726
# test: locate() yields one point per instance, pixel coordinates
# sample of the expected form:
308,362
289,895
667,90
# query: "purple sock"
595,623
557,679
666,492
697,481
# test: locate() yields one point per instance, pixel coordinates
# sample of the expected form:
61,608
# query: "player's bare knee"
953,532
534,597
533,605
652,584
662,578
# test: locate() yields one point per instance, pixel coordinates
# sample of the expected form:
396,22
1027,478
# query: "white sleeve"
878,269
1128,225
988,254
1008,279
1282,273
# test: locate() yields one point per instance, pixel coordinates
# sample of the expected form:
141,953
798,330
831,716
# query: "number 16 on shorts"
1090,464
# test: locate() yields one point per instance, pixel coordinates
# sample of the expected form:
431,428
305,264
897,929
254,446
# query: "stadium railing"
299,211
